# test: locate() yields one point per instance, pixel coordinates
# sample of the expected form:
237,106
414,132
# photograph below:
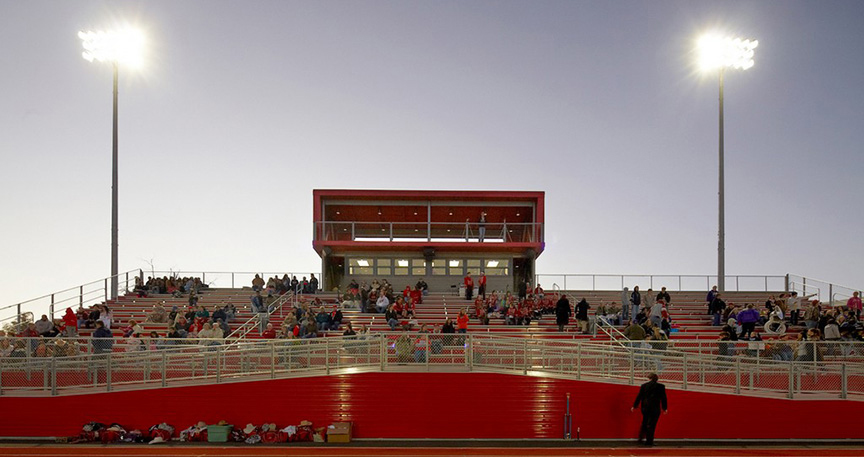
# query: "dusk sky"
243,107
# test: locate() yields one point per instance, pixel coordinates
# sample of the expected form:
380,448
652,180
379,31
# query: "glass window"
473,263
418,271
384,262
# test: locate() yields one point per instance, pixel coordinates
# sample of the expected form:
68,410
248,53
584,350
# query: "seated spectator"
158,314
230,311
218,313
103,339
175,332
5,347
335,318
132,326
222,327
258,303
44,326
349,330
382,303
29,331
422,286
322,318
257,284
155,342
634,331
269,332
391,317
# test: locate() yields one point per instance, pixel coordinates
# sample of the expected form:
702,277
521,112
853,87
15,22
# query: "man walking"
652,398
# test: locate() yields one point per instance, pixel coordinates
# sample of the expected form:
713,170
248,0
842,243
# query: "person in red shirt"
462,322
481,291
269,333
469,287
406,292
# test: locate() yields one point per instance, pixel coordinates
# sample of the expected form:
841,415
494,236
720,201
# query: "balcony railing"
446,232
168,363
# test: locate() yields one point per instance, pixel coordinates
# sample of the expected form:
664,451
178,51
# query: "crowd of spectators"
278,286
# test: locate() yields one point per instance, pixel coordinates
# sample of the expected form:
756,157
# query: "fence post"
203,278
272,361
106,289
844,382
327,355
50,308
53,376
791,394
684,371
218,364
1,379
428,350
108,372
383,349
18,311
164,368
525,357
632,365
232,279
80,295
579,361
737,375
469,357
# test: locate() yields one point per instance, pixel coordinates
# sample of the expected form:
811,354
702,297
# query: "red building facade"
436,235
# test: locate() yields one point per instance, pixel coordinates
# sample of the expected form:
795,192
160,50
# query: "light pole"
717,53
120,46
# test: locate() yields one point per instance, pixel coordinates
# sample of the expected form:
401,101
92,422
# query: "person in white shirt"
382,303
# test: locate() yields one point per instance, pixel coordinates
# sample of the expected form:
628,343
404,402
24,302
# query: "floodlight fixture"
717,52
124,46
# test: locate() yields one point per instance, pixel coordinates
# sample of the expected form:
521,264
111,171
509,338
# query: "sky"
243,107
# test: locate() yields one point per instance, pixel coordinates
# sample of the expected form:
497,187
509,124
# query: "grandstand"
495,381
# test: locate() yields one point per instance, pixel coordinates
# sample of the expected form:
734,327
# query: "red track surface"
328,451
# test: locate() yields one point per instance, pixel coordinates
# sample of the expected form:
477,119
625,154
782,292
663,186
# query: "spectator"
462,322
635,302
258,302
663,295
382,303
222,327
103,339
269,333
106,316
481,226
391,316
709,299
523,289
349,330
158,315
335,318
469,286
44,326
854,304
582,315
71,323
634,331
421,284
257,283
652,398
313,283
131,328
717,307
656,314
625,305
748,319
481,291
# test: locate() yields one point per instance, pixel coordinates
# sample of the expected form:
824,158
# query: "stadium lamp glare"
717,52
123,46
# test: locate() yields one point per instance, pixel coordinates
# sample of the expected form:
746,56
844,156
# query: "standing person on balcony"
481,226
563,311
469,286
481,291
854,304
651,400
635,302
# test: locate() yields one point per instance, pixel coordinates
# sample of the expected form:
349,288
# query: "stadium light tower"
118,46
717,53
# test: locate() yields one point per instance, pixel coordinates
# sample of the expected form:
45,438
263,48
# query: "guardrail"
98,291
748,283
178,363
506,232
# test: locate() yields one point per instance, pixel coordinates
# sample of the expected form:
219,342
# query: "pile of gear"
116,433
161,433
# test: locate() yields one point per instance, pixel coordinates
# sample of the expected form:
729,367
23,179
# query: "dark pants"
481,292
649,424
793,316
747,329
469,292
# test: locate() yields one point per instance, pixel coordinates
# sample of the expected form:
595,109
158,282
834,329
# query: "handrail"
614,334
673,282
80,296
213,362
255,321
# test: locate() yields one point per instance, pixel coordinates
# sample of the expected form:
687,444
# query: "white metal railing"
255,322
834,294
177,363
428,231
98,291
750,283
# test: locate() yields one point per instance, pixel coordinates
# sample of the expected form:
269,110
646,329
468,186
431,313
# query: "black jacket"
652,397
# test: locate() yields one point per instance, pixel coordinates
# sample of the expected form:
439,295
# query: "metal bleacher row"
687,310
